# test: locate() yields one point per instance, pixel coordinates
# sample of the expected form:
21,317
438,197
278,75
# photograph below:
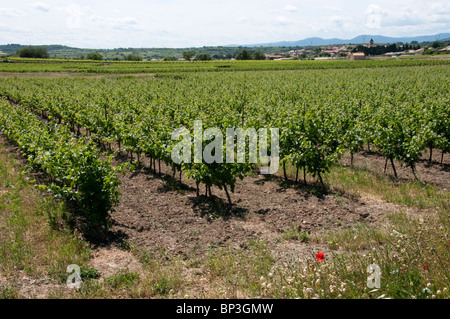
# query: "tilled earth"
155,215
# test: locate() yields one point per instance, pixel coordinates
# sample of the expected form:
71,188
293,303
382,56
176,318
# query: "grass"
31,241
363,182
122,279
294,234
358,237
408,193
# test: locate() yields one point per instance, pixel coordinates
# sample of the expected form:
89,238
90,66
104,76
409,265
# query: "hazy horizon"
181,24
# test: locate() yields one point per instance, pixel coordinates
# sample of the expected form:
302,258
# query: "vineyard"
93,137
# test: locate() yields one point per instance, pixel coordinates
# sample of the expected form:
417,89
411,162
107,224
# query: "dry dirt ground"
153,215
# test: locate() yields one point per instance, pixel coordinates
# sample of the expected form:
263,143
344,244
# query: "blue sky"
176,23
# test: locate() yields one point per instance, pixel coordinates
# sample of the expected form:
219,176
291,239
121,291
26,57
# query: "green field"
114,67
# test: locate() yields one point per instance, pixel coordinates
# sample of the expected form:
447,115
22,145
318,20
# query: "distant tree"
188,55
243,55
258,55
33,52
169,58
133,57
324,54
116,59
203,57
94,56
436,44
430,52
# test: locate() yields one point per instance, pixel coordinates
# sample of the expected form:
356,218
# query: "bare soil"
156,213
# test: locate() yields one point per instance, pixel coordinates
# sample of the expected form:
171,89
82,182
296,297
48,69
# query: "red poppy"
426,267
320,257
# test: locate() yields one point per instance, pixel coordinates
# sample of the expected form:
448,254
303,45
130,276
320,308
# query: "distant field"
70,66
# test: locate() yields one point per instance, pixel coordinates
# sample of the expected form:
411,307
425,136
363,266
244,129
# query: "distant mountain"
62,51
359,39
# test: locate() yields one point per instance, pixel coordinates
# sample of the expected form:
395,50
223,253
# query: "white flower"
426,290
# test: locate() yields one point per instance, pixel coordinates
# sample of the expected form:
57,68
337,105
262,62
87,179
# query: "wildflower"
425,267
426,290
320,257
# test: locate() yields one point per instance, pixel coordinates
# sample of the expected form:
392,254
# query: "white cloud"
374,16
11,12
41,6
333,8
290,8
74,19
282,20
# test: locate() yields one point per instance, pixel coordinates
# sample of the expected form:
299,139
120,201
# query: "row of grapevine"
76,168
320,114
161,68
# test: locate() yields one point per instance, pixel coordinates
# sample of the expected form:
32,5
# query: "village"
359,52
